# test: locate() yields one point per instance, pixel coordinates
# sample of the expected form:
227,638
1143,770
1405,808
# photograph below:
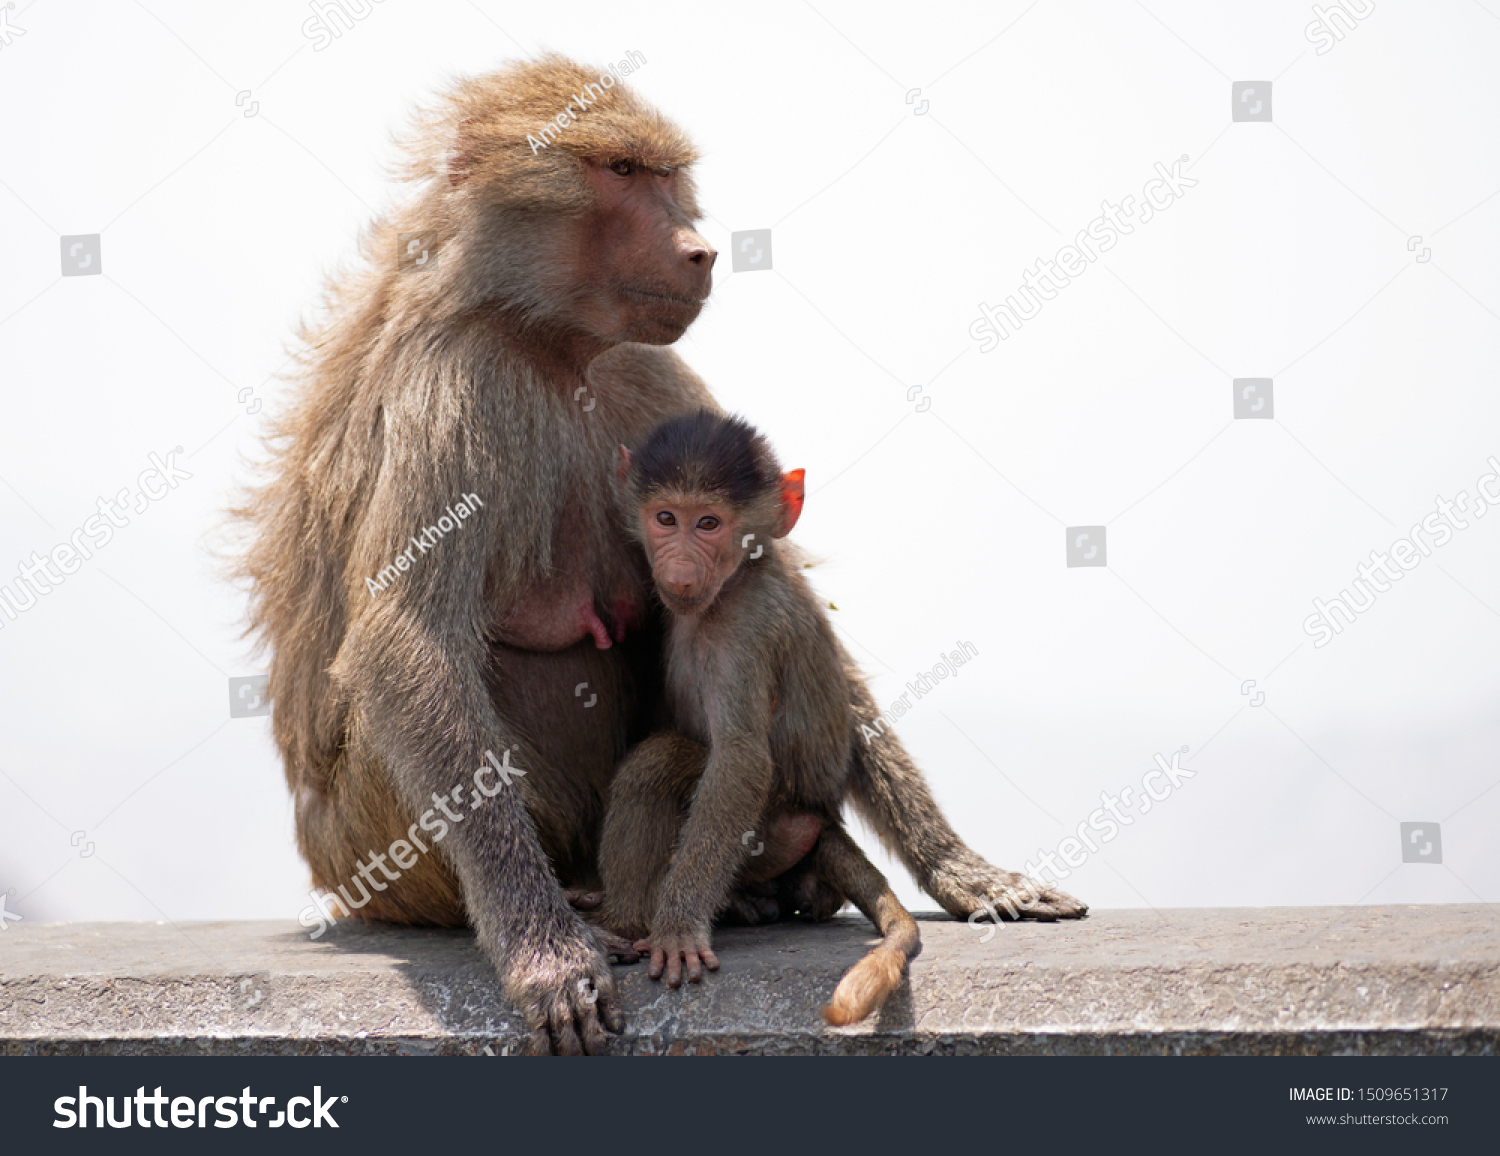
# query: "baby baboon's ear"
792,493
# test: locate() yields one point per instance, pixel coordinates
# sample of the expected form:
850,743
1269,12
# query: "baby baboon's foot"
751,904
1003,895
619,948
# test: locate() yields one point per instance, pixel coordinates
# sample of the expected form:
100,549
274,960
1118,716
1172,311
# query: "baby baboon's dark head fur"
705,453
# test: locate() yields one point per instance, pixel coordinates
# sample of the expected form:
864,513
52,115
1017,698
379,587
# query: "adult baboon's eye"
664,518
708,522
623,168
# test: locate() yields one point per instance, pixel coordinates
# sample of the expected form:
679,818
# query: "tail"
869,983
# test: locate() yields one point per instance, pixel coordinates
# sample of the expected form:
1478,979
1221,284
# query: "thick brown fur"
474,374
509,365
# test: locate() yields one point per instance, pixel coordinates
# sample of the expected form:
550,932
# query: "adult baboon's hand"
562,987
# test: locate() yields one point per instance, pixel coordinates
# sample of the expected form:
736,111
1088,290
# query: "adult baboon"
502,339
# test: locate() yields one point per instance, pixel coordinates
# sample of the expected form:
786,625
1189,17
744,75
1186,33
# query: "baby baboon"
759,701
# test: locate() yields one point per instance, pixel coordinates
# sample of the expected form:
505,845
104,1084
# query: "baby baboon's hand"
674,950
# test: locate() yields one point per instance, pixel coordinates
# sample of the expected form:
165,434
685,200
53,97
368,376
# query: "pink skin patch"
559,617
627,615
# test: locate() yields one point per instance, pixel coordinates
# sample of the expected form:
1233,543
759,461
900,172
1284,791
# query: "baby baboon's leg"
647,803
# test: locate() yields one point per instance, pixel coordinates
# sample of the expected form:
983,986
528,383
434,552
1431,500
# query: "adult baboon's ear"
622,467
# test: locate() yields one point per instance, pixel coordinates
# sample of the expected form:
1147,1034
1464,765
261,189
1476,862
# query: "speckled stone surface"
1290,980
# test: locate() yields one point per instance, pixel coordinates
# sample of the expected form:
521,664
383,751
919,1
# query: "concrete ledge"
1370,980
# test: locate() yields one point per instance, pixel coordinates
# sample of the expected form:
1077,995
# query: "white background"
126,791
